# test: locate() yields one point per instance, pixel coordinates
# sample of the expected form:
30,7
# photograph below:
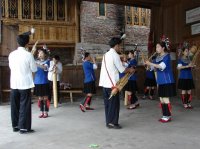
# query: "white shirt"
22,64
114,66
59,71
163,66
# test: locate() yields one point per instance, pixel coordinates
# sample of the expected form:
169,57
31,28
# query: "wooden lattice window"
26,9
13,8
102,9
143,16
129,15
3,8
61,10
49,9
45,10
37,9
137,16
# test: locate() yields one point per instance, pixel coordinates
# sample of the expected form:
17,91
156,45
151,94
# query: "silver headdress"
166,41
123,36
185,45
82,53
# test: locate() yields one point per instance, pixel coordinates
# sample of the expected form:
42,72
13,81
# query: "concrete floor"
69,128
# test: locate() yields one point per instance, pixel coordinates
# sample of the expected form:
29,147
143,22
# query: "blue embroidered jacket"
164,76
41,74
132,63
88,72
185,73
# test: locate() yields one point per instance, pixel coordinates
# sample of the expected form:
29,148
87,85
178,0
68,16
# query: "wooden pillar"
77,18
55,10
20,9
66,11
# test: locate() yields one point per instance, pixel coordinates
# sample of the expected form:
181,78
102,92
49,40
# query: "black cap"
114,41
86,54
23,39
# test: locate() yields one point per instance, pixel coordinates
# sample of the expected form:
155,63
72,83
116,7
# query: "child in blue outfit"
41,83
185,81
164,78
131,86
89,65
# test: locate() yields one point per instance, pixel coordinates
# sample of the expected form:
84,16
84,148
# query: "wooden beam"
141,3
9,21
52,43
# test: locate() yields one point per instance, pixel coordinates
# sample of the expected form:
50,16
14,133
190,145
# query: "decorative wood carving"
61,10
3,8
56,21
13,8
26,9
138,16
37,9
49,9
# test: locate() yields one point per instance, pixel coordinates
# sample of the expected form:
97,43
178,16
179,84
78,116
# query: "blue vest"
88,72
185,73
164,76
132,63
41,74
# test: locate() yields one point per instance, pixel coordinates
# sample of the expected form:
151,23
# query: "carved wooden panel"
49,9
52,33
13,8
26,9
61,10
129,15
3,8
143,17
37,9
137,16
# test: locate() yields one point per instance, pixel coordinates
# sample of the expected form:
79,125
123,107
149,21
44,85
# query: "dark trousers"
134,98
51,90
21,108
44,106
112,107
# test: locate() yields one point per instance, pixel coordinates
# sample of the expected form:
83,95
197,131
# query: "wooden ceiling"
142,3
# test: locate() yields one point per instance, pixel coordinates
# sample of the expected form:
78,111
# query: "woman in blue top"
164,78
89,65
131,86
41,83
185,81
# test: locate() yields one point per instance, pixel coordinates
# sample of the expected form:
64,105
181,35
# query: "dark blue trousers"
21,108
112,107
134,98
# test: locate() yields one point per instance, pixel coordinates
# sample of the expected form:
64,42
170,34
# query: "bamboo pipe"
126,98
55,95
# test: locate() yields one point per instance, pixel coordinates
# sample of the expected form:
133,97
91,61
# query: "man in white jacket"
22,65
110,68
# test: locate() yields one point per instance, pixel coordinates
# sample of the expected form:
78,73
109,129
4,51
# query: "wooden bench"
71,92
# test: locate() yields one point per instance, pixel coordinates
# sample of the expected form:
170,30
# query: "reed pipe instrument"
55,95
